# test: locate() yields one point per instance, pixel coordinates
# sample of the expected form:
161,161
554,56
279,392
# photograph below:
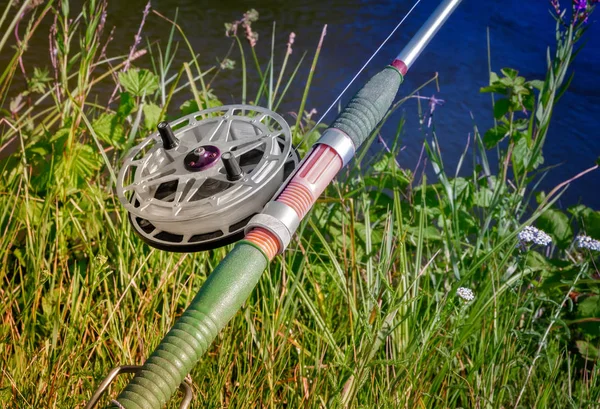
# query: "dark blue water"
520,32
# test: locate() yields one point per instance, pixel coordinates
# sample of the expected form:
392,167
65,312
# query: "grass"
361,311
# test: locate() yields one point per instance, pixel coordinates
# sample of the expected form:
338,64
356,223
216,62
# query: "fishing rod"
230,174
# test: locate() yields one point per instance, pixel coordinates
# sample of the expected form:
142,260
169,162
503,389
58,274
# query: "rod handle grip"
368,107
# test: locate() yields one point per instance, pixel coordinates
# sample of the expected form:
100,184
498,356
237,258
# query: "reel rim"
194,123
270,134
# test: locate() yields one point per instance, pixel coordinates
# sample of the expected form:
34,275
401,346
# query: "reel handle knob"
232,167
166,134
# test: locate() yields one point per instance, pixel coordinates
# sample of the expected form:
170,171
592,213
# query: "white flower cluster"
532,235
586,242
465,293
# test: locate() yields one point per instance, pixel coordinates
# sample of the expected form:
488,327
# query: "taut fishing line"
364,66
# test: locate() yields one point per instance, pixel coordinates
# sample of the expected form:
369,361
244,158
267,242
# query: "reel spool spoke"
137,163
227,134
157,181
181,185
245,145
214,133
198,182
191,196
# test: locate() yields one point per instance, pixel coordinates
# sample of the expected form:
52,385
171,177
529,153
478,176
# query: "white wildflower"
465,293
532,235
586,242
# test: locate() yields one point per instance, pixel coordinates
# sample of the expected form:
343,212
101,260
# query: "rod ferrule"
340,142
279,219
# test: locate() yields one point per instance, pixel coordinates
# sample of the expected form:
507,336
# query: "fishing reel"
195,183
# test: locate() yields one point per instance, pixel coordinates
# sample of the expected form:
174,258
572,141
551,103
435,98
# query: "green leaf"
138,81
589,308
536,261
510,72
110,130
556,224
497,88
495,135
537,84
521,124
588,220
483,197
588,350
126,104
501,107
39,79
493,77
528,101
520,155
151,115
188,107
429,233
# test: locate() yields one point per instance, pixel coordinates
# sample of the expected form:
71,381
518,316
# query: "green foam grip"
368,107
219,299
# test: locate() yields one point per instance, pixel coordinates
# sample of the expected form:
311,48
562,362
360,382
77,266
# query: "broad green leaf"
138,81
537,84
588,220
588,350
483,197
556,224
497,88
528,101
493,77
190,106
495,135
126,104
536,261
151,116
110,130
501,107
510,72
429,233
520,155
589,308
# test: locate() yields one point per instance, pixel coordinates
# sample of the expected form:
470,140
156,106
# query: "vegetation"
363,310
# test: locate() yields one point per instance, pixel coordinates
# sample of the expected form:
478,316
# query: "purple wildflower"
580,5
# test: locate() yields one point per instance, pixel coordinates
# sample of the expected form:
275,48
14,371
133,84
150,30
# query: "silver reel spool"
196,185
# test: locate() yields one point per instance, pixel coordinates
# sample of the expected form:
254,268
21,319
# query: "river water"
520,31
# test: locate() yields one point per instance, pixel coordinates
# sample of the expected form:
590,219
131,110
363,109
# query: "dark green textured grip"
369,105
221,296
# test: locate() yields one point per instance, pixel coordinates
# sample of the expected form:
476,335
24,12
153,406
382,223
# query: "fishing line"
363,67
